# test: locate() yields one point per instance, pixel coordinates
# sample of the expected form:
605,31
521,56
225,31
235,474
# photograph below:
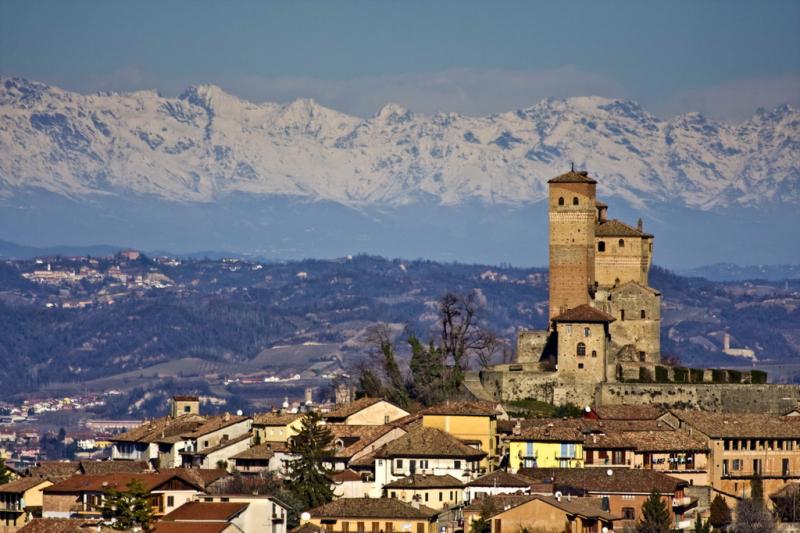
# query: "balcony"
773,474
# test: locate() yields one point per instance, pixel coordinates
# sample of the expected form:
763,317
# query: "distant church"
602,344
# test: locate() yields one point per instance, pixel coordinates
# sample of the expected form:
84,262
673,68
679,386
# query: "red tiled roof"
86,483
352,408
500,478
422,481
18,486
462,408
584,313
428,442
616,228
598,480
206,512
372,508
190,527
573,176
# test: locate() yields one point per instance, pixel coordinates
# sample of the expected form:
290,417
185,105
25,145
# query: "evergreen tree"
5,475
699,526
396,389
483,523
307,476
426,372
129,508
720,513
369,383
655,515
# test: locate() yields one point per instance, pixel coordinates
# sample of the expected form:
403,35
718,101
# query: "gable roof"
65,525
626,412
621,480
428,442
85,483
206,512
633,284
275,419
96,468
573,176
423,481
500,478
354,438
584,313
202,477
617,228
19,486
166,429
349,409
500,502
372,508
462,408
265,450
740,425
54,470
222,445
583,507
550,433
214,424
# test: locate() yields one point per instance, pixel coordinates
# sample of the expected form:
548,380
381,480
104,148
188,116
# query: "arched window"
643,314
586,332
622,314
622,243
581,349
601,246
561,201
594,353
574,200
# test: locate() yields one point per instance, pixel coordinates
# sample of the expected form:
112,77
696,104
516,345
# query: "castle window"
586,332
580,365
601,246
643,314
581,349
594,353
574,200
622,314
642,356
622,243
561,201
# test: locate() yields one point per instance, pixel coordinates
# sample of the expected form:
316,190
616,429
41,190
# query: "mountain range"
209,170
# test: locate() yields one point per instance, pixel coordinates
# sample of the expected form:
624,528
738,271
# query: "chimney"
726,342
226,416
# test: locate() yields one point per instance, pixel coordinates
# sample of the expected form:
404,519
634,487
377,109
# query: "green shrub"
734,376
719,376
680,374
758,376
662,374
645,376
696,375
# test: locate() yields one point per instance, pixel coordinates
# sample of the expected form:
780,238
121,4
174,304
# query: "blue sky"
723,58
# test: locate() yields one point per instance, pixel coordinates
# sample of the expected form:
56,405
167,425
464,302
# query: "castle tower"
572,214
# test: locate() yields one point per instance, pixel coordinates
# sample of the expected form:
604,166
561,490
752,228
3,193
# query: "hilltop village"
653,447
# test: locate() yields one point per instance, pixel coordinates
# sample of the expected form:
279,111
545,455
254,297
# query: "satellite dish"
239,412
609,472
605,530
587,409
558,495
306,516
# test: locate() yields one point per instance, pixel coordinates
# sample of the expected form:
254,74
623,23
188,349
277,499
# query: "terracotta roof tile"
97,468
276,419
214,424
161,428
372,508
354,438
422,481
265,450
352,408
741,425
206,512
190,527
344,475
500,478
627,412
583,313
502,502
84,483
597,480
616,228
462,408
65,525
202,477
222,445
573,176
18,486
428,442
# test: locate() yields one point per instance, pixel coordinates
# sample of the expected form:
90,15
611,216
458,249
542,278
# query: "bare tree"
461,336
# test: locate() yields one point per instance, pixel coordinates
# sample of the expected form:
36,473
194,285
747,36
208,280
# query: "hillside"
225,314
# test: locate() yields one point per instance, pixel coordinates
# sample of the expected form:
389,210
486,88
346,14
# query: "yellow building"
547,446
18,499
473,423
276,427
373,515
436,492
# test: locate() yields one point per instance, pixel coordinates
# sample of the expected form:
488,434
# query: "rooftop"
214,424
18,486
276,419
206,511
352,408
740,425
65,525
265,450
500,478
85,483
620,480
617,228
627,412
422,481
462,408
350,439
583,313
573,176
165,429
97,468
189,527
372,508
428,442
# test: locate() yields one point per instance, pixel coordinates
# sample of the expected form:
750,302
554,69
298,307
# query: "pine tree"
396,390
5,475
306,474
426,372
655,515
720,513
130,508
700,526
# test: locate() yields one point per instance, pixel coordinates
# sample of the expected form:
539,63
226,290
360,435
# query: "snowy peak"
207,143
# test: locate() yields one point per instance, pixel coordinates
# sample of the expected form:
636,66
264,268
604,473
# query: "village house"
474,423
276,427
743,445
216,441
264,514
82,496
542,513
265,457
351,442
495,483
19,500
373,515
552,445
366,412
158,441
436,492
622,491
426,451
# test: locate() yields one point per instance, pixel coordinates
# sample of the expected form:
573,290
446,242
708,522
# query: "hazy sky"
723,58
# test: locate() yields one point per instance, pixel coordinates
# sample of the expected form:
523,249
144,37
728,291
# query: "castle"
603,340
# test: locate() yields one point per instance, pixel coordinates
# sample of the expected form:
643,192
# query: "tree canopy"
130,508
307,477
655,515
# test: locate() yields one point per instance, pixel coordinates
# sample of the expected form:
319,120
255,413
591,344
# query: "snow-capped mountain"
206,144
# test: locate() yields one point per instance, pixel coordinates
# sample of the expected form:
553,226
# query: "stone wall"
531,344
767,398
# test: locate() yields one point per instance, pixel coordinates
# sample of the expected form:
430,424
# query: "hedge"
697,374
734,376
719,376
681,374
758,376
662,374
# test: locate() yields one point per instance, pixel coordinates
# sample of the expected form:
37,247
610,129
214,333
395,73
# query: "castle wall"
643,334
767,398
531,344
571,245
589,367
616,264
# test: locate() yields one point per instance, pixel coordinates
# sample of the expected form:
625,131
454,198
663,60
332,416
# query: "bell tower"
572,212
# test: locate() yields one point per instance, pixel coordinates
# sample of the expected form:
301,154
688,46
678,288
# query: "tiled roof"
97,468
185,398
54,470
610,426
611,441
214,424
275,419
344,475
462,408
598,480
583,313
422,481
741,425
627,412
18,486
663,441
65,525
351,408
222,445
203,477
84,483
161,428
308,527
428,442
616,228
502,502
206,511
500,478
550,433
573,176
372,508
190,527
265,450
585,507
354,438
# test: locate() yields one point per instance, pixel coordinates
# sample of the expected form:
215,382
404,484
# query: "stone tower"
572,214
